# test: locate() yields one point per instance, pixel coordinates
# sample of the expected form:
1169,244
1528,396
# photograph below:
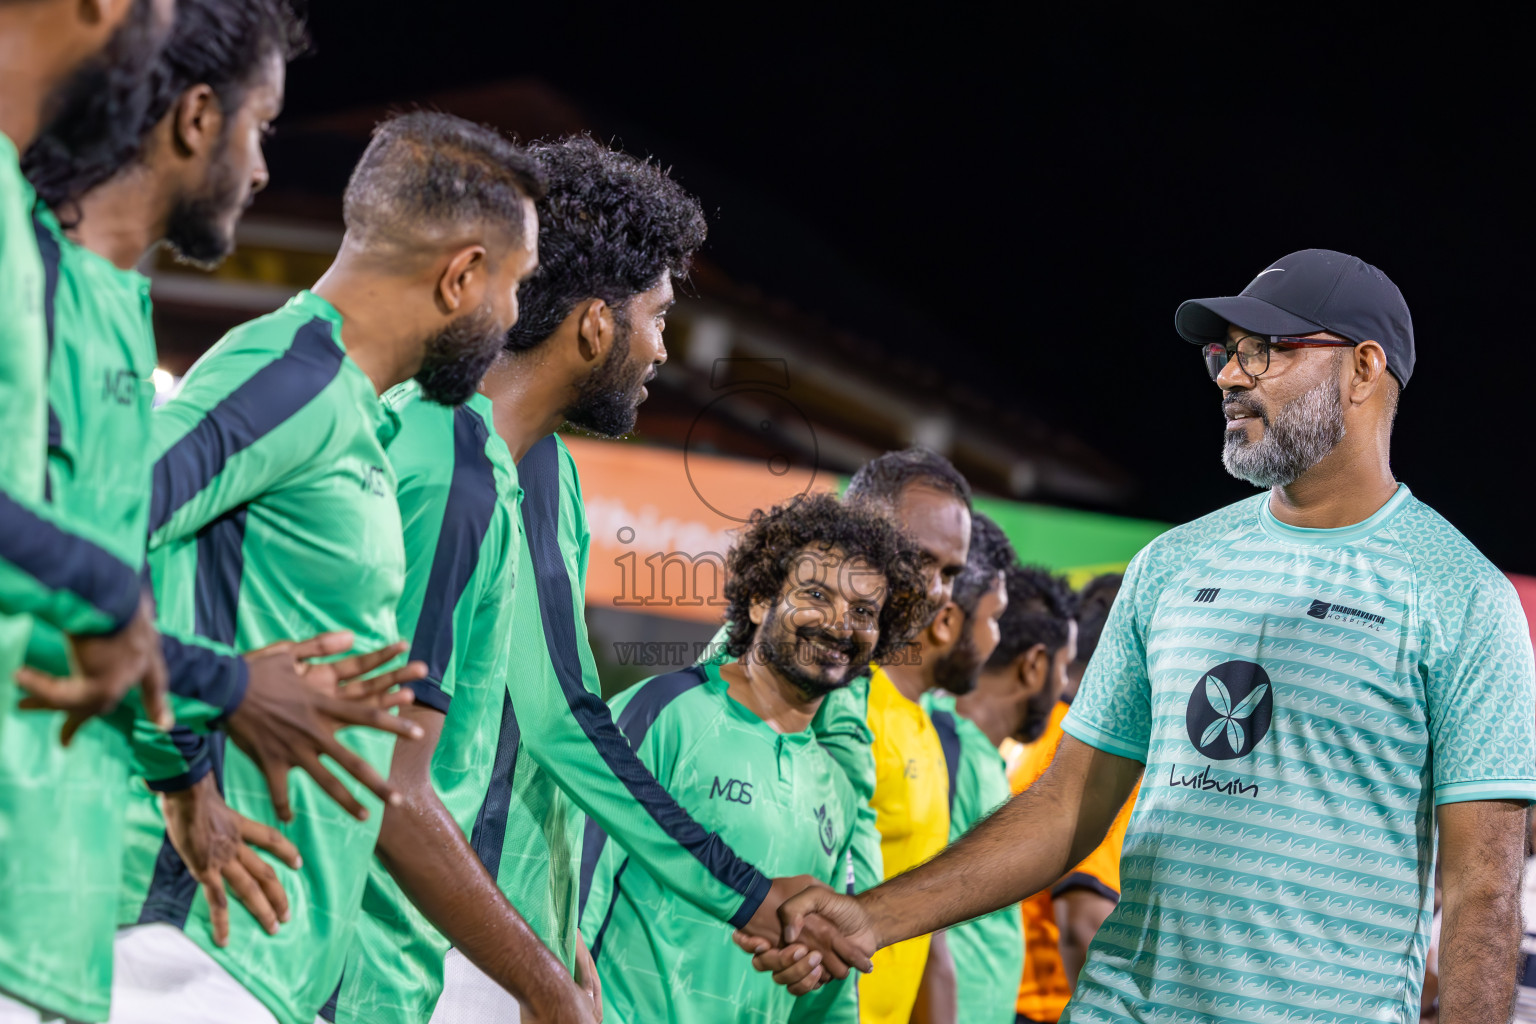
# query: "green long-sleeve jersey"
561,753
988,951
458,498
779,795
58,914
274,517
46,569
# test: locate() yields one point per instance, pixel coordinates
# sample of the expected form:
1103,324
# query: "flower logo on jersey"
1230,710
824,830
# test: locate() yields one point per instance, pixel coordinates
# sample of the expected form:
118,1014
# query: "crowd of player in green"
374,470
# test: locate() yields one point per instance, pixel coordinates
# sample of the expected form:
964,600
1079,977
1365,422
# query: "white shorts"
13,1011
471,997
159,976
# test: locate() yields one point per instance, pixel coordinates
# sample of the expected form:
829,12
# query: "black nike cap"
1307,291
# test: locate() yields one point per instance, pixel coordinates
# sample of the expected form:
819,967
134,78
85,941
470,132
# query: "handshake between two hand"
807,934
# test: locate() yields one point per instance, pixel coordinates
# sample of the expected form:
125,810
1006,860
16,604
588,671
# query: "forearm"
426,852
1079,913
1015,852
1479,954
1021,848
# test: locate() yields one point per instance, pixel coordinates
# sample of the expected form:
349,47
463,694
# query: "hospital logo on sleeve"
1230,710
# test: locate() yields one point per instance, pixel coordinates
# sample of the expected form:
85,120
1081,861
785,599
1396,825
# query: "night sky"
1040,192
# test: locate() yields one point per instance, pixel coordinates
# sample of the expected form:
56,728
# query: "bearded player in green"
815,589
274,514
614,231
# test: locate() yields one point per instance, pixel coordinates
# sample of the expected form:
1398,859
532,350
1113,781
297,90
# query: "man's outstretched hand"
820,928
105,668
216,843
293,708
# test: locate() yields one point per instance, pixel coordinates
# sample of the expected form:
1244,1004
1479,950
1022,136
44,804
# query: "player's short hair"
610,226
427,171
1040,611
771,545
885,479
218,43
1093,604
990,553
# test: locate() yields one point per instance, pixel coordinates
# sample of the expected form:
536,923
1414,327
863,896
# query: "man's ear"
1368,363
945,627
594,332
757,611
461,285
1034,668
197,123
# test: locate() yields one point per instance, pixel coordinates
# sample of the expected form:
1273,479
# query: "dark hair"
1093,604
886,479
427,167
218,43
991,553
1040,610
773,542
610,226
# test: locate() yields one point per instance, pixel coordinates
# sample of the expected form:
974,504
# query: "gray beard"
1298,437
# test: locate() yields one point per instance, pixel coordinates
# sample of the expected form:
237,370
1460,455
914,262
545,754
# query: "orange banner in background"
662,521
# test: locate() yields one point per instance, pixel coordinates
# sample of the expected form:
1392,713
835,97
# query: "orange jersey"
1044,991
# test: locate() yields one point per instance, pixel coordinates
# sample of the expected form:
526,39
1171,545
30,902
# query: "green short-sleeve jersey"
61,811
274,517
458,499
559,751
988,951
779,795
1302,700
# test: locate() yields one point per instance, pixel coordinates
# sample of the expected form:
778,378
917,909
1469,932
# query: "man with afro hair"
815,589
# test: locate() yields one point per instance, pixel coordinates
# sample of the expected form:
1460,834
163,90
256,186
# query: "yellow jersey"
911,803
1044,990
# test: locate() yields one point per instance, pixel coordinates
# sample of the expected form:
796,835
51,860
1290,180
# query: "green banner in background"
1080,544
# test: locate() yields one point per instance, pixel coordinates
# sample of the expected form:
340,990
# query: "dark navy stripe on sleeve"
219,680
466,518
638,717
489,834
949,739
264,402
539,473
62,561
48,250
220,567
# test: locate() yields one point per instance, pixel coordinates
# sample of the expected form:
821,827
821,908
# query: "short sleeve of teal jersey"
1113,707
1480,690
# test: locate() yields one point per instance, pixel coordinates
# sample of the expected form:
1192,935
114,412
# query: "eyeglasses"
1252,352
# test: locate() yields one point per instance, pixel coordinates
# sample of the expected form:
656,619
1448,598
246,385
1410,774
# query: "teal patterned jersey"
1302,699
